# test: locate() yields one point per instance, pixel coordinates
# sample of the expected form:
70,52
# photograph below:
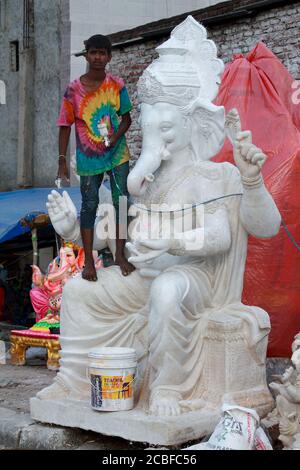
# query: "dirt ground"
19,384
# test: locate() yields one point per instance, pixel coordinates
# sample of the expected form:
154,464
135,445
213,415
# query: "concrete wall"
277,27
52,72
11,29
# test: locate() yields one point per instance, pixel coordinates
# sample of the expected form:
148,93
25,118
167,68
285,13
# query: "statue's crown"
151,90
187,68
68,244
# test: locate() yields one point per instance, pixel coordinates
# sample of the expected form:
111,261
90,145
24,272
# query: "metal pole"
34,240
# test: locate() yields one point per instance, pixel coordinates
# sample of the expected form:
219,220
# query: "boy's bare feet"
124,264
89,272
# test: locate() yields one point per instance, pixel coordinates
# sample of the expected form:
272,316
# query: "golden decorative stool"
23,339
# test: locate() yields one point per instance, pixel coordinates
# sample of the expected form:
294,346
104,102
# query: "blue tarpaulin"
15,205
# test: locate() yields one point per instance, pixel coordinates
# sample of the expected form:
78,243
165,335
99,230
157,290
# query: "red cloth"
260,87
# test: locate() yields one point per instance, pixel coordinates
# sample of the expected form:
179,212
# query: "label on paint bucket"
113,392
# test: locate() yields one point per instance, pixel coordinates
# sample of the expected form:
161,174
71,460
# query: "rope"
118,187
217,199
290,235
188,208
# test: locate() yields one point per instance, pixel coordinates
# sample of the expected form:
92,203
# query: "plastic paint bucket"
112,372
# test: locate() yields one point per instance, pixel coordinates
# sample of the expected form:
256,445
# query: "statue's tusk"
150,178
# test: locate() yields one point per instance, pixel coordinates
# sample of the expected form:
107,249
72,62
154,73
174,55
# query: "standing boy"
93,102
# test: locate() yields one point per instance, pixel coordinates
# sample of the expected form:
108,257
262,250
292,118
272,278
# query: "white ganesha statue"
198,345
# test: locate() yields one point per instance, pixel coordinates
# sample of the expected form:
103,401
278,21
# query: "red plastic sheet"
264,93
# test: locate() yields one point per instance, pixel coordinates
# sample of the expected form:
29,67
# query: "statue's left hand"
248,158
156,249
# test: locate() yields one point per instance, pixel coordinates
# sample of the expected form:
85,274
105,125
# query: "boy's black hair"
98,42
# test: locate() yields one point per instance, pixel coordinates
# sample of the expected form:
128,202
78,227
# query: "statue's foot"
193,405
126,267
55,391
165,403
89,271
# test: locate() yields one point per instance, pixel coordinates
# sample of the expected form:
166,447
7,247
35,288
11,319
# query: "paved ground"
19,384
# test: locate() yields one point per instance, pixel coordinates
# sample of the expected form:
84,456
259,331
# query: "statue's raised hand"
248,158
63,214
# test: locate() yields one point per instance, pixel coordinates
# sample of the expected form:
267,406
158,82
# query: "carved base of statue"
134,425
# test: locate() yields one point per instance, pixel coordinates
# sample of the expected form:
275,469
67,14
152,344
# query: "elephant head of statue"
177,116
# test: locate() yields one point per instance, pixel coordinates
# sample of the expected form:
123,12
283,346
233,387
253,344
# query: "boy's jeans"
89,187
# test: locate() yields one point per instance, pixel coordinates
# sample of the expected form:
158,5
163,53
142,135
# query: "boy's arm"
123,127
63,142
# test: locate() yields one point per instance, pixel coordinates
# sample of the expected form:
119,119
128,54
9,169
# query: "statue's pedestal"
132,425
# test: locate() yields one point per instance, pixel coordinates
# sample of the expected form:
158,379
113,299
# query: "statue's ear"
80,258
208,131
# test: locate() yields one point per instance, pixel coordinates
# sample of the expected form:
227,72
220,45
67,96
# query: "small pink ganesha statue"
47,291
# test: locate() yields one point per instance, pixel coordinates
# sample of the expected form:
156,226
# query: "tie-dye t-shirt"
89,109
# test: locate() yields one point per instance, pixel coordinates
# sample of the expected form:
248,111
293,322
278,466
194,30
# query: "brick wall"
278,28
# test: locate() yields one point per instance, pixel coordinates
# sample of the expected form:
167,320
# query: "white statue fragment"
287,412
197,344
